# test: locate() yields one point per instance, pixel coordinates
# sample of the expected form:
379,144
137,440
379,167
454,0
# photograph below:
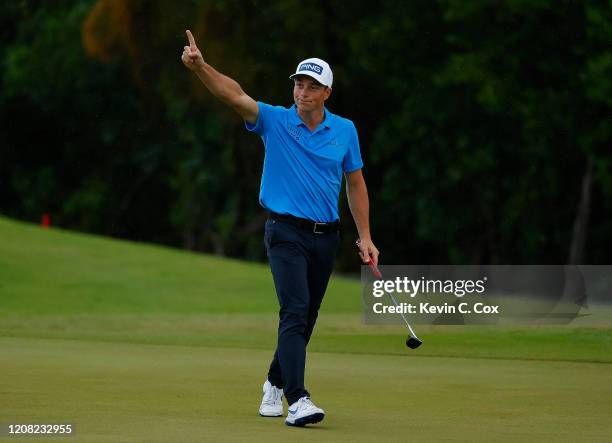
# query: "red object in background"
45,221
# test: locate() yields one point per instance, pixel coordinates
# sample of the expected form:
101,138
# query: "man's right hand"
192,57
221,86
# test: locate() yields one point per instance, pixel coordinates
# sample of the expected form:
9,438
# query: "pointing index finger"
192,43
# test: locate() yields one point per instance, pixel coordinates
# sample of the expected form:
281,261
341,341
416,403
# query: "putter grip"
374,269
371,264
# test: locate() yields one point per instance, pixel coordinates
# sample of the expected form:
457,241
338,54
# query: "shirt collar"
297,121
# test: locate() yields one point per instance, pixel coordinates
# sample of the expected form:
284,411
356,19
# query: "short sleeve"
264,116
352,159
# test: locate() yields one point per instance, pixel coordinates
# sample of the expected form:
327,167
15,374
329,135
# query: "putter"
412,341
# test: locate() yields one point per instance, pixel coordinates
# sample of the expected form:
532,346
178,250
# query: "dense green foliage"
477,120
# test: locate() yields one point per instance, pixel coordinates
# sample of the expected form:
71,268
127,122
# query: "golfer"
307,150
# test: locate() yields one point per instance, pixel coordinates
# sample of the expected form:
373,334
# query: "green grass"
123,392
134,342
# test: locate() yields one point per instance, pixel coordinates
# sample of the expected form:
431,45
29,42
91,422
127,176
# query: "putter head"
413,342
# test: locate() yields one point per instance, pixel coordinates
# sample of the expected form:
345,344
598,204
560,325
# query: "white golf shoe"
304,412
272,401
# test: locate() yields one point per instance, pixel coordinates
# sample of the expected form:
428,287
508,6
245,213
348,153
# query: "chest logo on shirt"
294,131
297,133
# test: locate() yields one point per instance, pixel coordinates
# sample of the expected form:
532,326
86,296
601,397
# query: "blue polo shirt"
302,171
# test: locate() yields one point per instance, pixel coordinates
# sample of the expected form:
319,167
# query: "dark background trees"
484,126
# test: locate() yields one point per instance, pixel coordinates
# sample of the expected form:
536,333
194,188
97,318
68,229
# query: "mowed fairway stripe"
135,392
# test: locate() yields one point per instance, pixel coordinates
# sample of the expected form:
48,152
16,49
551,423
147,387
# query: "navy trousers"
301,262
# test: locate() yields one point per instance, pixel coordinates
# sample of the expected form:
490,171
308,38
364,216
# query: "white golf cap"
317,69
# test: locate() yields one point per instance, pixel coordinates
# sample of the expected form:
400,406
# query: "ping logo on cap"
313,67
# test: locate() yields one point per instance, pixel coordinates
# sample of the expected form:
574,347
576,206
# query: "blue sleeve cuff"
352,168
352,160
258,126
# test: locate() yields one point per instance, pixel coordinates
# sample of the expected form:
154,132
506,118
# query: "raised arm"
221,86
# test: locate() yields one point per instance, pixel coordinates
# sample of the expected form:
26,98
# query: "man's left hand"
367,251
